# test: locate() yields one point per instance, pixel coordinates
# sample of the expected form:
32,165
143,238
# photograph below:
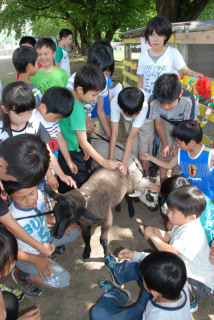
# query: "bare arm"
160,239
113,139
12,225
56,167
161,163
63,147
87,148
102,117
165,150
140,82
191,73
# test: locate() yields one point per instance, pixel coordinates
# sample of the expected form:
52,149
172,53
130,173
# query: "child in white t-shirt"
131,105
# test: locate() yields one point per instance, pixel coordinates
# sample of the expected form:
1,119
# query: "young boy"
49,75
25,61
187,238
62,59
57,103
89,82
196,160
169,105
165,295
31,267
131,105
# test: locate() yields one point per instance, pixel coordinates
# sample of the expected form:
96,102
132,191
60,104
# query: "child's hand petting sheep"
126,254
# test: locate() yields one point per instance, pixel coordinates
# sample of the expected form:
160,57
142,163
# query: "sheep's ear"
88,215
52,193
135,194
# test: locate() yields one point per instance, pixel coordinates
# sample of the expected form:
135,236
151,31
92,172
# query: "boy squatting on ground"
49,75
17,106
31,267
100,55
25,60
169,105
25,159
164,294
62,59
196,160
187,238
131,105
89,82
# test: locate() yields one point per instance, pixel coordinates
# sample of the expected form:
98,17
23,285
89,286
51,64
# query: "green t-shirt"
45,80
69,125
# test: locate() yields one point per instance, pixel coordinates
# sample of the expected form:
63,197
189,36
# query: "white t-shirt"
179,310
62,57
36,227
170,60
136,122
53,129
33,126
190,240
88,107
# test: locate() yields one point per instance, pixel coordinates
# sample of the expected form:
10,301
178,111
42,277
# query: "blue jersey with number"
198,170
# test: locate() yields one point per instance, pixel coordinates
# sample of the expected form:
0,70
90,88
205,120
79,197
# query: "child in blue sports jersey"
196,160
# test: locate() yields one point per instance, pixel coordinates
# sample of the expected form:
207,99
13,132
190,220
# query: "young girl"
17,106
153,62
8,301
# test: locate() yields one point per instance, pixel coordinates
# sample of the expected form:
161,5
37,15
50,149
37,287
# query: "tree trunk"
75,40
180,10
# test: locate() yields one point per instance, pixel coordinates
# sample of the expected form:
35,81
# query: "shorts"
144,140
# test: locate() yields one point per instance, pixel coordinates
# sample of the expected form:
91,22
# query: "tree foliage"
91,19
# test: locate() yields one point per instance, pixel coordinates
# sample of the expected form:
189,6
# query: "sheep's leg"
86,234
130,206
118,208
104,232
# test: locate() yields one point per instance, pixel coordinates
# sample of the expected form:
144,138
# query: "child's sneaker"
106,285
29,288
57,252
19,294
193,303
110,262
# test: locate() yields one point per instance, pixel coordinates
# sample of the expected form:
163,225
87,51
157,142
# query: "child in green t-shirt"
62,59
89,82
49,75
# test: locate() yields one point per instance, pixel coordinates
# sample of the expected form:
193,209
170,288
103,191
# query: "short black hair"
27,157
165,273
167,88
47,42
8,248
27,39
170,184
65,33
11,186
102,56
188,200
22,56
90,78
102,42
161,25
131,100
188,130
58,100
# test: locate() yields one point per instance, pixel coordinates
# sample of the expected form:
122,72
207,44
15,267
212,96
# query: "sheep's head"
65,212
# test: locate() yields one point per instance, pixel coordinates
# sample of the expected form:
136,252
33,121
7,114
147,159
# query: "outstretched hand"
126,254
